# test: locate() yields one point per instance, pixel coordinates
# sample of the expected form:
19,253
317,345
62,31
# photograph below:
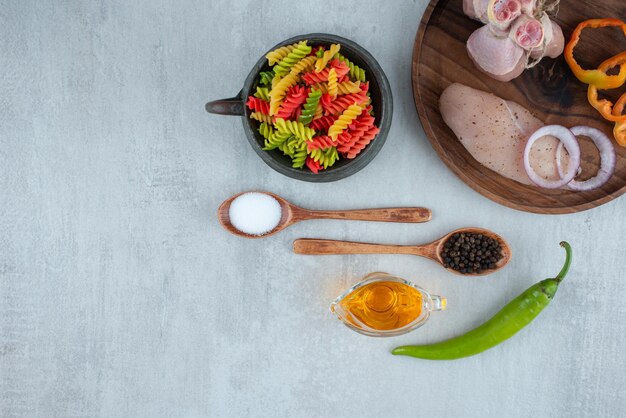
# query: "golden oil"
382,305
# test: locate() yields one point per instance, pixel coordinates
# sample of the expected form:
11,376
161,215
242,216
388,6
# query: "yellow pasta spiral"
332,83
279,91
278,54
346,87
304,65
327,56
275,80
261,117
346,118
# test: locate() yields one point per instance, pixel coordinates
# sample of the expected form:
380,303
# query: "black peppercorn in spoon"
435,250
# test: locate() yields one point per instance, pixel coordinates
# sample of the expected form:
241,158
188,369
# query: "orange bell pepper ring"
598,78
618,108
619,132
605,107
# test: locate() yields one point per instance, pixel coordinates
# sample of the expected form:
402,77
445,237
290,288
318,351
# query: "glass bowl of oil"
382,305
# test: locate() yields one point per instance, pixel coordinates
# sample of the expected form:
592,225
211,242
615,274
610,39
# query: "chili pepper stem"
568,261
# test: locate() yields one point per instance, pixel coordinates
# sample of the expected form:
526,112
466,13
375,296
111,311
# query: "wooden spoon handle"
408,215
326,246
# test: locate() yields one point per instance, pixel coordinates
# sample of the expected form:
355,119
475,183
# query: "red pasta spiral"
296,96
313,165
258,105
365,120
344,138
323,123
320,142
340,67
355,131
341,103
297,113
361,143
326,100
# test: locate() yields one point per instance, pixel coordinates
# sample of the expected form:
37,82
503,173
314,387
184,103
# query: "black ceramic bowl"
381,100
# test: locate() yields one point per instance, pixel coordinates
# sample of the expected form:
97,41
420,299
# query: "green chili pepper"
506,323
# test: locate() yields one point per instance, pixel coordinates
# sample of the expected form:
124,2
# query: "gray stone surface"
120,294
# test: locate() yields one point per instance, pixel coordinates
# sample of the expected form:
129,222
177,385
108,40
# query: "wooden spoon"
432,250
292,214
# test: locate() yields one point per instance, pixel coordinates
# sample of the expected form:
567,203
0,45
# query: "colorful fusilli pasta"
326,56
310,107
332,84
319,111
297,129
303,66
276,140
320,142
261,117
356,72
257,105
346,118
266,130
278,93
345,87
266,77
300,51
299,156
313,165
335,107
313,105
355,131
323,123
295,97
325,157
278,54
262,93
313,77
362,143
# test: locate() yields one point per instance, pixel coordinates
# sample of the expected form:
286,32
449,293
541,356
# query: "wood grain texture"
549,90
399,215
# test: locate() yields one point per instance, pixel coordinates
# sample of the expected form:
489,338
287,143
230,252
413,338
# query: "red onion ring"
607,158
568,139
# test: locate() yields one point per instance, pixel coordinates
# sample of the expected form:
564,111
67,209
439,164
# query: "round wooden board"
549,90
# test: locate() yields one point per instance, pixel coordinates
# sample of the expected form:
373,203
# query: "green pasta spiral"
262,93
279,53
325,157
286,149
290,146
296,129
276,140
309,107
299,52
265,77
356,73
299,153
266,131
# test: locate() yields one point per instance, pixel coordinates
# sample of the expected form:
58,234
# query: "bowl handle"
232,106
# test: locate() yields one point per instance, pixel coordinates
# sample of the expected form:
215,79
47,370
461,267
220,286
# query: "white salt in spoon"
245,214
